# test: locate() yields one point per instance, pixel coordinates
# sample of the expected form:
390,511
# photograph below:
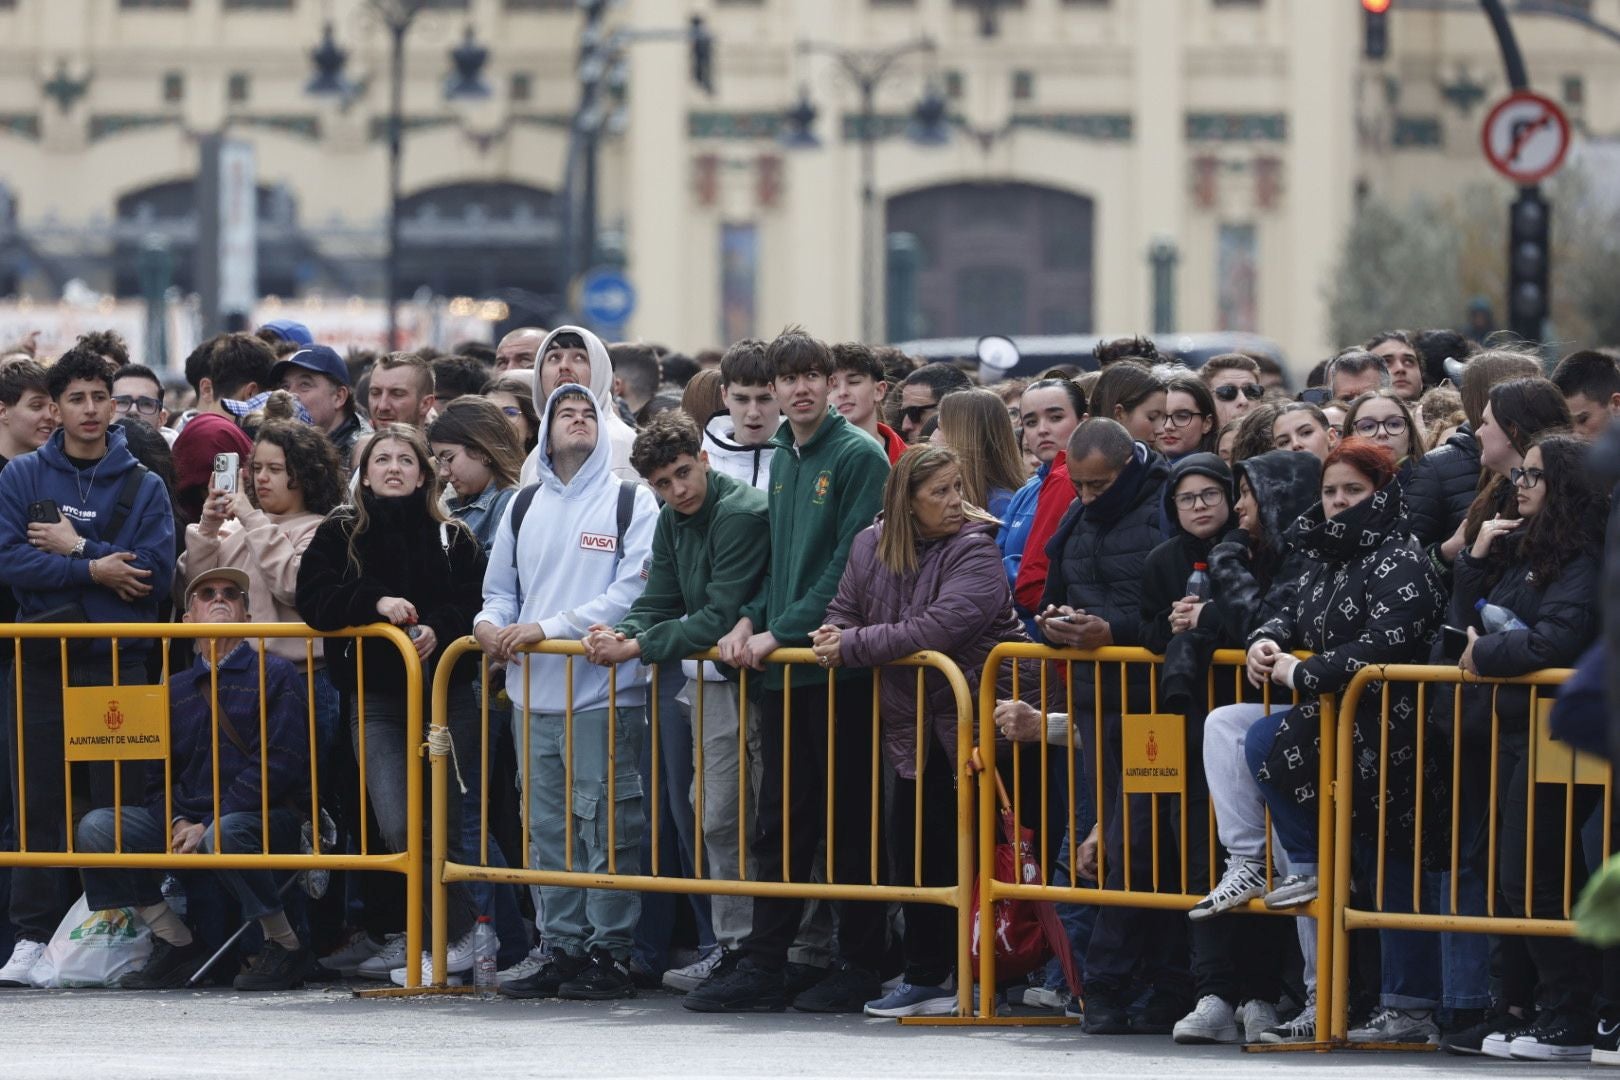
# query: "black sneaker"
275,968
801,977
1606,1045
168,968
747,987
1105,1018
603,980
1158,1015
549,979
1467,1041
1556,1037
846,989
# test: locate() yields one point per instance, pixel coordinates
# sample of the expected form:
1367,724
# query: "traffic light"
1529,245
702,43
1375,38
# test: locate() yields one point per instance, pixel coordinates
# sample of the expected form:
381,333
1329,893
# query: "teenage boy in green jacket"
709,554
826,485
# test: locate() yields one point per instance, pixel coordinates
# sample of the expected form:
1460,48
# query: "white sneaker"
1257,1018
389,957
397,976
1042,997
527,966
1301,1029
346,959
1244,880
24,955
684,980
1211,1021
1294,890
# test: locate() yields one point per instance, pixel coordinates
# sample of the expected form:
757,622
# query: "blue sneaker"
908,1000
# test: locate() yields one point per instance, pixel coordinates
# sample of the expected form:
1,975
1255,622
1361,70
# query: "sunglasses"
1525,478
1252,391
1316,395
915,414
210,593
146,406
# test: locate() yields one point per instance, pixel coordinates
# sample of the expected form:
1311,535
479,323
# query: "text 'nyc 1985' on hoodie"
569,575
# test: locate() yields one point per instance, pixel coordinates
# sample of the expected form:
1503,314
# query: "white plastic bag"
93,948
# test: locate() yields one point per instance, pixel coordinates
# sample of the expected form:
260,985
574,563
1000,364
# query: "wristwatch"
78,549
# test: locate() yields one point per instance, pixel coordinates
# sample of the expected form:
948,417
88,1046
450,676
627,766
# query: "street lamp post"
867,69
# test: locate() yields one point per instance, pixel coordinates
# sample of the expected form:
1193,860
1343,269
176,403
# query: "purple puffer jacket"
957,602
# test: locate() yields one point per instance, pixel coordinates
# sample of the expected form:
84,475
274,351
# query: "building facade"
1227,138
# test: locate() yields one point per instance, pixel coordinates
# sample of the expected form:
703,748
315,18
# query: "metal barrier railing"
123,720
1545,763
1103,663
446,871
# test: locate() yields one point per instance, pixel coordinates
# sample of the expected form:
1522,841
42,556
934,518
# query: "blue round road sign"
606,296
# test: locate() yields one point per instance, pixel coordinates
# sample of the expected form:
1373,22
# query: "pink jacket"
268,547
957,602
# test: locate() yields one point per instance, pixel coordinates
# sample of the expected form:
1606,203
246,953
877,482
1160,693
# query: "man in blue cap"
318,377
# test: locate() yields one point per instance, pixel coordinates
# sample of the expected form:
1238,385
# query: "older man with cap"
225,670
319,379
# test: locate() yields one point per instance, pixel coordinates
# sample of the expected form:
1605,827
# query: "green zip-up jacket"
822,494
704,567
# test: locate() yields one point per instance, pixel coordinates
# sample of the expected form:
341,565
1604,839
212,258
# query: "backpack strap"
520,506
126,503
627,509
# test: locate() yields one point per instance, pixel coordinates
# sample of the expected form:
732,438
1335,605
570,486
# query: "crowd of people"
1421,500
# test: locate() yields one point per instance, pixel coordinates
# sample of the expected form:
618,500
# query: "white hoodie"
750,464
567,577
620,436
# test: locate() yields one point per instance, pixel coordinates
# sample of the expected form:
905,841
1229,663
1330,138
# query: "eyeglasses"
1252,391
1182,417
1208,497
512,411
209,593
1395,425
1525,478
146,406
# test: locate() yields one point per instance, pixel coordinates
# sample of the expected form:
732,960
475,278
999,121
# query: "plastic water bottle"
485,946
1497,618
1198,583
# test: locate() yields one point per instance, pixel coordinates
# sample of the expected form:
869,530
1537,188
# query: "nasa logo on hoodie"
598,542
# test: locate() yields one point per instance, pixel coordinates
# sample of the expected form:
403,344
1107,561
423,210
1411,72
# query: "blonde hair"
974,424
898,539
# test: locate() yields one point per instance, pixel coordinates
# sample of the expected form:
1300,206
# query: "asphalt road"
328,1033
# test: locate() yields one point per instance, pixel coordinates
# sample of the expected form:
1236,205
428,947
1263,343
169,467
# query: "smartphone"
44,512
225,469
1453,642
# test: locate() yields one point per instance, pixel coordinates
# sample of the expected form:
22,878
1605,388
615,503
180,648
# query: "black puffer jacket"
1097,556
1369,597
1164,578
404,553
1442,485
1562,615
1254,580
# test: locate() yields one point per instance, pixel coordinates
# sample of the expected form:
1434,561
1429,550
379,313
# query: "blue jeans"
255,890
575,919
1294,822
499,902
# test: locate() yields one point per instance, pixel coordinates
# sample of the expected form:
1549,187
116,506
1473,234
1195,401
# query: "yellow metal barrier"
445,871
133,719
991,890
1570,770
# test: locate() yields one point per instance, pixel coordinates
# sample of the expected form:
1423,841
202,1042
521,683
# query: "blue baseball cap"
288,330
321,359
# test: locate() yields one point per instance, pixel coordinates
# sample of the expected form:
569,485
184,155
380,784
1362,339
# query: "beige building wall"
1257,114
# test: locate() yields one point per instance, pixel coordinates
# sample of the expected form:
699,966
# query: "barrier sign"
1155,754
115,723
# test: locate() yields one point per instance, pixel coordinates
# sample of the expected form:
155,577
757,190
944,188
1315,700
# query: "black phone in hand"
43,512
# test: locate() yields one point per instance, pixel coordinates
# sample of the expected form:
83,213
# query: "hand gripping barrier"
1121,714
1478,781
461,762
110,717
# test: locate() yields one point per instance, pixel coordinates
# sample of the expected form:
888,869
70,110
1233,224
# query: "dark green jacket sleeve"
661,600
859,501
739,554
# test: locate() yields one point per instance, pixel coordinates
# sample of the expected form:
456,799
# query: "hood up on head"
1200,464
1286,483
596,464
612,430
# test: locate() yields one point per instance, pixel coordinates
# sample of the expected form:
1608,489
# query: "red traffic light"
1375,7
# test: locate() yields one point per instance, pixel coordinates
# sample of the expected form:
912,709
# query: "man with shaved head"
516,350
